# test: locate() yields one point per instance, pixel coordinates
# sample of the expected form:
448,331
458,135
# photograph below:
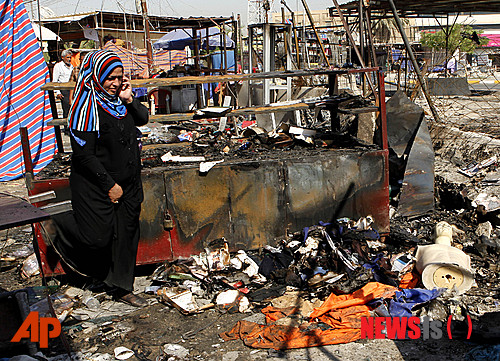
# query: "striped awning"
22,104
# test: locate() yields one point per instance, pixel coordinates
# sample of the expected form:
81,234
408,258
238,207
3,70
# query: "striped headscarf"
83,114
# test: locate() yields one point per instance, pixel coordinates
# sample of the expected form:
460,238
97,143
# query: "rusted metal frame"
320,42
353,44
239,46
283,20
413,60
432,6
369,109
363,70
416,89
233,113
250,61
57,128
28,163
101,39
406,71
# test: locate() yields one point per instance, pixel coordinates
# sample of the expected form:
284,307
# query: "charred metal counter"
250,203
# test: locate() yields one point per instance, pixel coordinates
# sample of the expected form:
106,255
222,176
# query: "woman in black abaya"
100,237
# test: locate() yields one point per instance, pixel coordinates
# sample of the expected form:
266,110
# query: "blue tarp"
178,39
405,300
218,60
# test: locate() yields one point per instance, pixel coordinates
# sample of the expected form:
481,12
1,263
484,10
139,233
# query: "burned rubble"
300,271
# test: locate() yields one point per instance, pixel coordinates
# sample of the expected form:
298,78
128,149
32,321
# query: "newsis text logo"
400,328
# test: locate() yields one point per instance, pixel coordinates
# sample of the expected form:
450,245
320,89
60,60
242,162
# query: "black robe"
99,238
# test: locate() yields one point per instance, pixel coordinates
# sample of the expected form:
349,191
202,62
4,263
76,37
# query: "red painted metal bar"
383,115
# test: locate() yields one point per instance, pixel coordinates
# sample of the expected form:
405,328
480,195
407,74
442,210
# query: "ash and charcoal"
241,139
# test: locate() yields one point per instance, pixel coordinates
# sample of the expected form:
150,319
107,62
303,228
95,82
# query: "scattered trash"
180,298
61,303
233,301
401,263
489,202
474,168
123,353
442,265
178,158
175,351
206,166
30,267
90,301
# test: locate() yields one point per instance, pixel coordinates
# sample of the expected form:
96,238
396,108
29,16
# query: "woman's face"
113,83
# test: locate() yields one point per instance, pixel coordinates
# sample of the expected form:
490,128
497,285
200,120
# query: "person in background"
62,74
100,237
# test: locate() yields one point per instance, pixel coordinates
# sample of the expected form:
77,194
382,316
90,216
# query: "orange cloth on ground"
409,280
342,313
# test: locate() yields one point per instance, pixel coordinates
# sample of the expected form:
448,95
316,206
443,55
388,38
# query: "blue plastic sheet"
405,300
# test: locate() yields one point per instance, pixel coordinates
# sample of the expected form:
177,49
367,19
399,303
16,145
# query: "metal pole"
101,44
223,31
40,24
311,20
361,11
370,36
147,38
413,60
197,65
353,44
295,35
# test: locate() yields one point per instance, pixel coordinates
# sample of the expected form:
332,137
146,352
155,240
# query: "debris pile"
210,140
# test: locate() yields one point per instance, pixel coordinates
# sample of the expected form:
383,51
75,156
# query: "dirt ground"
147,330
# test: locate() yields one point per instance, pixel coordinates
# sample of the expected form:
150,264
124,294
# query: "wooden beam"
187,80
179,117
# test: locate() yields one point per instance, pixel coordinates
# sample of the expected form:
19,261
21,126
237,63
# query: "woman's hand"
115,193
126,92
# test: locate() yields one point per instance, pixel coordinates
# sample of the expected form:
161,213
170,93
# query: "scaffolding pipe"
351,40
413,61
311,20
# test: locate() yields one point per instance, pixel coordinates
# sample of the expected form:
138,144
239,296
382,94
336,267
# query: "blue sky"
174,8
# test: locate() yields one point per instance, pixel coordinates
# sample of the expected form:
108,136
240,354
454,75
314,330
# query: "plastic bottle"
443,233
90,301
